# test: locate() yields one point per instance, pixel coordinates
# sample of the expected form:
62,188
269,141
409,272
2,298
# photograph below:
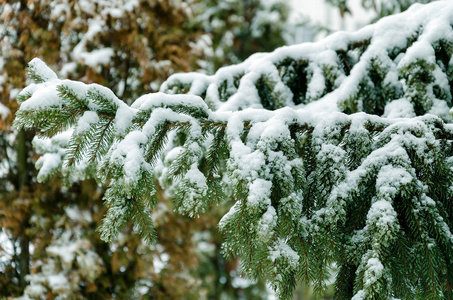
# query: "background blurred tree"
94,41
237,29
130,47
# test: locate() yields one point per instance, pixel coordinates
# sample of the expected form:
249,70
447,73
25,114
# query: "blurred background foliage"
49,246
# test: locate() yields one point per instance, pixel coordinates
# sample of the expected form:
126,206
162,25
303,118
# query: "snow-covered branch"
335,152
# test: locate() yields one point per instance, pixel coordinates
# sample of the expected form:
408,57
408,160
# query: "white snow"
281,250
267,224
58,282
44,71
97,57
4,111
373,271
129,155
401,108
195,177
43,97
85,122
259,193
123,118
47,163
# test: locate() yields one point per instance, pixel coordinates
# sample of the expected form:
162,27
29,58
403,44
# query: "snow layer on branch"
151,101
45,72
44,97
344,59
85,122
281,250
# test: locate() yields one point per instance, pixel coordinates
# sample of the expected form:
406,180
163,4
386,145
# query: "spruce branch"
102,139
357,168
142,218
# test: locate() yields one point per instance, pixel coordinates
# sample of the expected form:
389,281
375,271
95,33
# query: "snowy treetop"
333,152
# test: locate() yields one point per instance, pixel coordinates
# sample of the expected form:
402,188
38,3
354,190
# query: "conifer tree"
337,154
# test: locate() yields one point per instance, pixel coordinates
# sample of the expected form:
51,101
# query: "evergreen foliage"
337,153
